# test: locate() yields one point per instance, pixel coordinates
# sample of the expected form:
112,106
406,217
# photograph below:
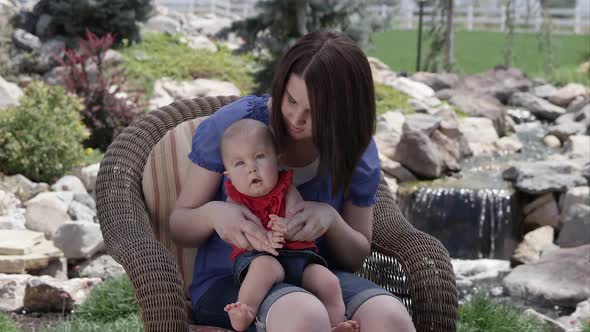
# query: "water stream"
475,213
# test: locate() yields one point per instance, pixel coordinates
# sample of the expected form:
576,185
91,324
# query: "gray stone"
538,106
479,133
163,24
565,95
26,41
113,58
520,115
51,50
499,82
418,153
47,211
88,175
425,123
552,141
576,195
57,268
14,220
395,169
79,240
102,266
437,81
12,291
509,143
577,146
9,93
69,183
389,132
49,294
577,318
380,71
38,257
200,43
86,200
413,89
478,105
575,229
530,249
545,176
560,277
44,28
544,91
21,187
81,212
545,214
8,203
565,130
449,150
551,324
190,89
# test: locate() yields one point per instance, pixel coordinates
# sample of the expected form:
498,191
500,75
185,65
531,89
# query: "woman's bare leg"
383,313
263,273
309,314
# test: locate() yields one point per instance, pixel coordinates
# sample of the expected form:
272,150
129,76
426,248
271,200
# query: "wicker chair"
411,264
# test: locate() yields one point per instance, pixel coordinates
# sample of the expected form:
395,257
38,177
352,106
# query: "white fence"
468,14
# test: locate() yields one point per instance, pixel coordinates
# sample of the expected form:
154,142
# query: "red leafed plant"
109,107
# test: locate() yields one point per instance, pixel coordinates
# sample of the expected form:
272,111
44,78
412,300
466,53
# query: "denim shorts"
208,310
293,263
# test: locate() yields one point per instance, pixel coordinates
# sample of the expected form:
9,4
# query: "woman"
322,112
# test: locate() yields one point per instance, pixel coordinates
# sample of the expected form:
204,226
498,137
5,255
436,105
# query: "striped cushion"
163,176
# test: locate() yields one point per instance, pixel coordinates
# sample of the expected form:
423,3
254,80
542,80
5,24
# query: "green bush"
7,324
111,300
130,323
586,326
72,18
482,314
160,55
41,138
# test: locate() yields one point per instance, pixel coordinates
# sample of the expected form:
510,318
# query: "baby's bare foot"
347,326
240,316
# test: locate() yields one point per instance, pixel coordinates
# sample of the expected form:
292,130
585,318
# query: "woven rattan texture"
413,265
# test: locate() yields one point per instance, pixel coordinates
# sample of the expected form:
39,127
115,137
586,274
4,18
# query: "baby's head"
250,157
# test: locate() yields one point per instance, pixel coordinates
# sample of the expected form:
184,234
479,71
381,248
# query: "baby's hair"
244,127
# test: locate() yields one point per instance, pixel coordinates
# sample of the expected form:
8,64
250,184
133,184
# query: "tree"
279,23
509,46
440,55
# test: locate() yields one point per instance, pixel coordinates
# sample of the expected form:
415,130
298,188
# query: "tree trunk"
300,7
449,37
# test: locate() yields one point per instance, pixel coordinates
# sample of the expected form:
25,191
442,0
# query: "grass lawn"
478,51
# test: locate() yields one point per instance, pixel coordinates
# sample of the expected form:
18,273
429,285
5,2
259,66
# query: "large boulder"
559,277
530,249
499,82
437,81
12,291
163,24
26,41
21,187
167,90
389,132
412,88
69,183
380,71
540,107
575,230
480,134
478,105
577,146
79,239
565,95
47,211
541,177
101,266
49,294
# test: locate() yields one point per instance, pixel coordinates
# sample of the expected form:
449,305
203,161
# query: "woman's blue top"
212,261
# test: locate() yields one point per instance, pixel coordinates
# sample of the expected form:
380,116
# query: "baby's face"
251,164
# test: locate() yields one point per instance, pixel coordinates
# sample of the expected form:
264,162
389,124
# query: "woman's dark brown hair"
341,96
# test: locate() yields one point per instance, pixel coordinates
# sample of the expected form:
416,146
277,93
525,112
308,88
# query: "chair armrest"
129,239
426,264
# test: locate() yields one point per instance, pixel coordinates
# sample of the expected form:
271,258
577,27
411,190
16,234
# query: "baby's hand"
277,224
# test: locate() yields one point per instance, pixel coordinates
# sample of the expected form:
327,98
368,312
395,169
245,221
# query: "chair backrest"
163,176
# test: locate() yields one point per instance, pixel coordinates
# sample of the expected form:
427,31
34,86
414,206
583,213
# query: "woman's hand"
307,221
237,225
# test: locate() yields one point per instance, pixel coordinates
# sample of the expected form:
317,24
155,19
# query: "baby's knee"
269,266
330,284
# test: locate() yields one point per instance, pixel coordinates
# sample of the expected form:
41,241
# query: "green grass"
481,314
7,324
128,324
109,301
586,326
478,51
389,99
160,55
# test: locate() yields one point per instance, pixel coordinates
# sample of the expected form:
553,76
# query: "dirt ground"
36,321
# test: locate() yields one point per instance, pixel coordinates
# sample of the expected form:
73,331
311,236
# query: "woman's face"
295,109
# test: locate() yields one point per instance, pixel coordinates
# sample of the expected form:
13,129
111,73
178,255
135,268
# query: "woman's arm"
195,216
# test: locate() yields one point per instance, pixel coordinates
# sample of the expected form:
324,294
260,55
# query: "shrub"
108,108
72,18
41,138
481,313
160,55
111,300
7,324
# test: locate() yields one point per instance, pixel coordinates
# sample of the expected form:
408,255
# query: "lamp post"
420,14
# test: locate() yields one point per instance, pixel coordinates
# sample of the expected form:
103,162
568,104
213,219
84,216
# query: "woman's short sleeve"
205,150
366,177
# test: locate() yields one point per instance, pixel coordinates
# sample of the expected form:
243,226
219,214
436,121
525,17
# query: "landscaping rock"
559,277
412,88
552,325
80,212
26,41
88,176
577,146
479,133
499,82
575,229
57,268
576,195
565,95
21,187
79,240
478,272
477,105
417,152
552,141
44,28
9,93
8,203
577,318
38,257
544,91
86,200
545,176
538,106
200,42
395,169
69,183
167,90
530,249
565,130
102,266
389,132
50,51
519,115
12,291
163,24
543,211
437,81
47,211
509,143
46,294
381,72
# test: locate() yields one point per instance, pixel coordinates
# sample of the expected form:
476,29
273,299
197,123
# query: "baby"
252,168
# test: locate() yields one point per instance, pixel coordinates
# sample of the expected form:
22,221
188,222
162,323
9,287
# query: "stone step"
38,258
18,242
